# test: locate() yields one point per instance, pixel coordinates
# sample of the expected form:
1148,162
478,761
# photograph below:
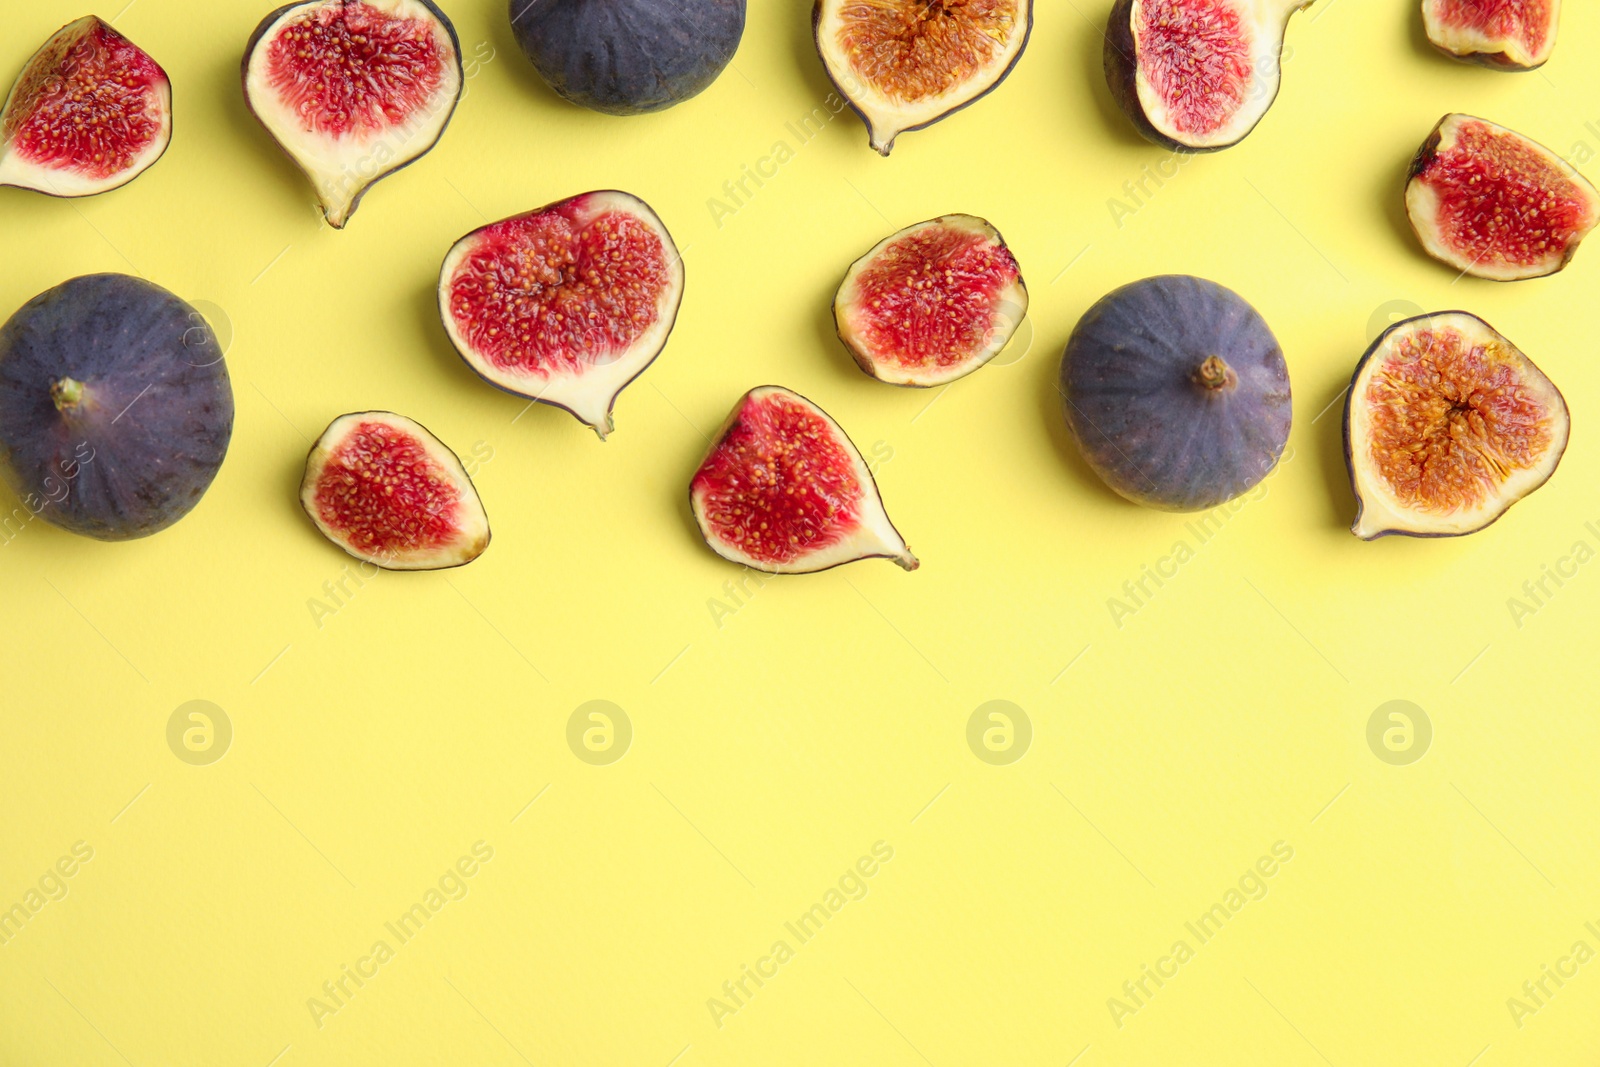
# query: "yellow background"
824,715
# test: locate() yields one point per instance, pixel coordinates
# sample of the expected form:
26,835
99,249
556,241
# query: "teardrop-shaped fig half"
931,303
905,64
566,304
387,491
1501,34
1446,425
353,90
1196,75
784,490
1495,204
1177,393
90,112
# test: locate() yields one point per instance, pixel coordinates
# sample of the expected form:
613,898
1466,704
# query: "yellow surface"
830,712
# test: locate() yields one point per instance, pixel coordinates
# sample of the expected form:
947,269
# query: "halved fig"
353,90
1502,34
90,112
905,64
566,304
387,491
1196,75
1446,425
931,303
1495,204
783,490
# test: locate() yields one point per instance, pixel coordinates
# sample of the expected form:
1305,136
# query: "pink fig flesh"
387,491
1196,75
784,490
566,304
401,63
90,112
932,303
1494,204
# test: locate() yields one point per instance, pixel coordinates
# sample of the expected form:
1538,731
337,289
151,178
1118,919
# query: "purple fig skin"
628,57
115,406
1427,151
816,37
1122,70
1177,393
455,46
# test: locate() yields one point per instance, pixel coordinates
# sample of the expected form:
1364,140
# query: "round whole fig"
115,406
628,57
1176,392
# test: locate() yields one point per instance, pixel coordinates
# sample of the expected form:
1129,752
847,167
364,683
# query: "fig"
387,491
1446,425
905,64
1501,34
115,406
1494,204
90,112
628,57
783,490
1176,392
1196,75
353,90
566,304
931,303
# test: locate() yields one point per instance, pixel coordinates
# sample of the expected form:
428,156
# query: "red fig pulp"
1196,75
1503,34
90,112
1495,204
387,491
566,304
353,90
784,490
931,303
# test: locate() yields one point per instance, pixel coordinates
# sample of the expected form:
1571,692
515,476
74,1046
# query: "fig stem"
67,394
1213,373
